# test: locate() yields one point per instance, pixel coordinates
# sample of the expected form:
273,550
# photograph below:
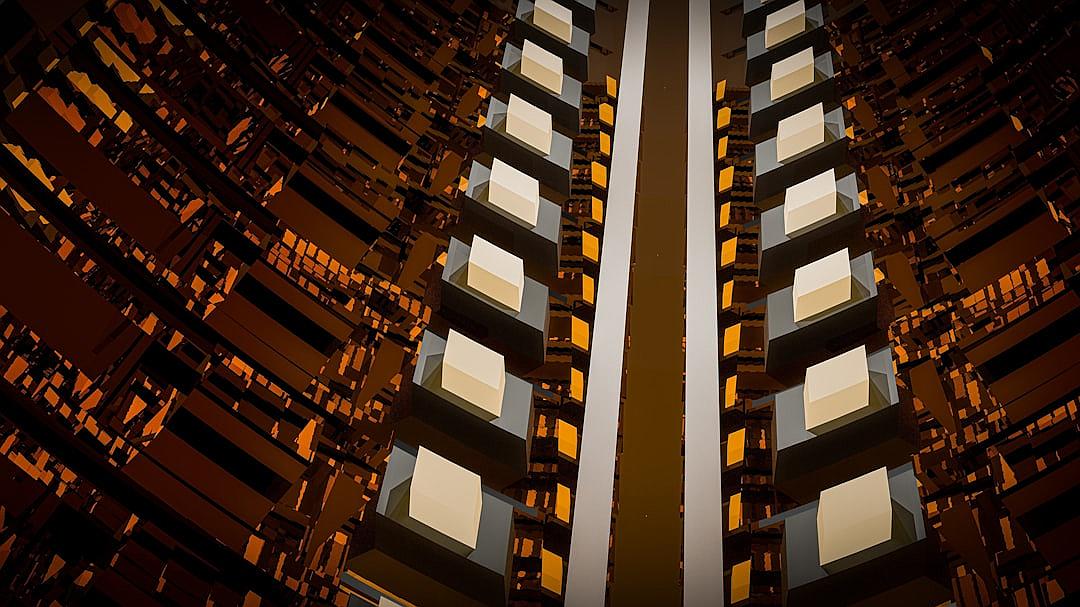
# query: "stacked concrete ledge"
441,532
841,440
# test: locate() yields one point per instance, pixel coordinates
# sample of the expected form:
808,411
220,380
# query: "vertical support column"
703,567
586,583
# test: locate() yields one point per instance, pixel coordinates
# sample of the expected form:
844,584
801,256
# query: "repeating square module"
800,132
514,191
554,19
447,499
542,67
785,23
475,373
495,273
822,285
529,124
836,389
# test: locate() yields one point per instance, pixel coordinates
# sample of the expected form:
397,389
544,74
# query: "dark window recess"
993,234
286,315
1052,513
14,22
1033,346
332,208
268,408
287,145
965,142
224,453
236,243
371,124
186,559
405,58
76,537
167,369
226,385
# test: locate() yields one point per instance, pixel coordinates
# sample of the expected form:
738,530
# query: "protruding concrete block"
497,274
554,19
542,67
785,23
822,285
515,192
810,201
476,373
529,124
800,132
446,500
836,390
792,73
854,516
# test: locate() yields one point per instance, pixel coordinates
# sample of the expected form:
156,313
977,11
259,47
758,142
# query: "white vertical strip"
703,533
586,582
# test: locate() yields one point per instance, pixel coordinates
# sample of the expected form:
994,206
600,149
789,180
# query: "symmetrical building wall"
966,128
223,229
958,128
297,301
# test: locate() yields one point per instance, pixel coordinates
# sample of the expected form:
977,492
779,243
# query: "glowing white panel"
529,124
822,285
791,74
476,373
498,274
810,201
800,132
515,192
836,390
554,19
542,66
785,23
446,498
854,516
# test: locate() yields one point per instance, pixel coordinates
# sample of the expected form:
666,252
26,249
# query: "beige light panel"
496,273
785,23
791,74
475,373
854,516
515,192
800,132
836,390
542,67
446,498
822,285
810,201
385,602
554,19
529,124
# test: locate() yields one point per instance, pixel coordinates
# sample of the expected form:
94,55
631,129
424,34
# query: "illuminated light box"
822,285
542,67
528,124
810,201
515,192
792,74
785,23
854,516
495,273
475,373
446,500
836,390
800,132
554,19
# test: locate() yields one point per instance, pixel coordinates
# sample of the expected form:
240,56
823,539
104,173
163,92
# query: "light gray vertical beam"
586,582
703,533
